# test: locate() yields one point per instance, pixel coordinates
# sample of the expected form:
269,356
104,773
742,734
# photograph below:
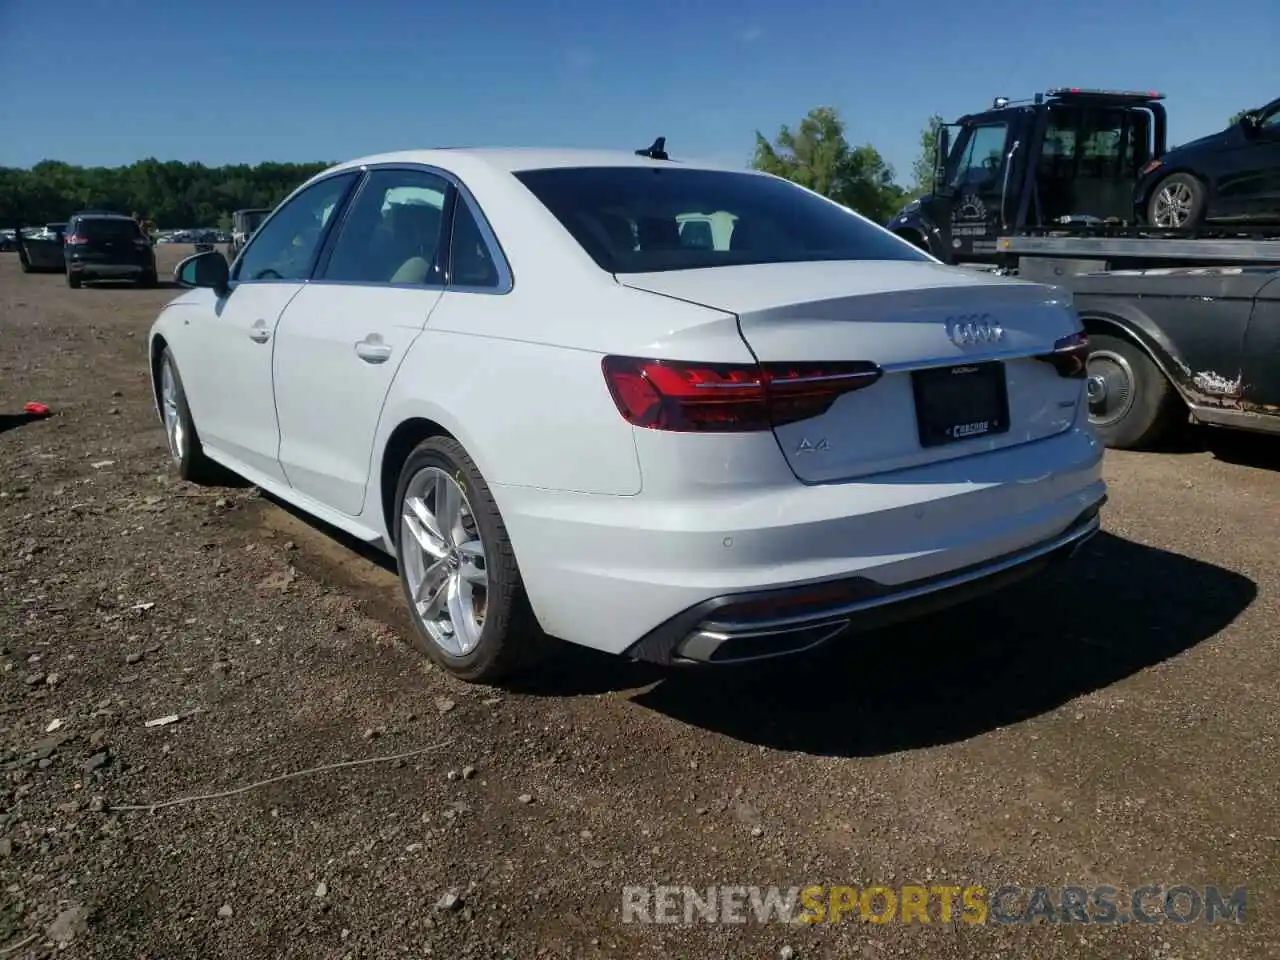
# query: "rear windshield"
646,219
253,220
104,229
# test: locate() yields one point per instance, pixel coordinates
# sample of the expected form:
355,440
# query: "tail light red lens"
75,240
728,398
1069,356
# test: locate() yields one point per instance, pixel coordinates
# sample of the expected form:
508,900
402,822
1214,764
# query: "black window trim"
356,177
457,190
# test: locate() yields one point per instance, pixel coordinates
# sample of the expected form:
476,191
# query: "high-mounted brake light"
728,397
1069,356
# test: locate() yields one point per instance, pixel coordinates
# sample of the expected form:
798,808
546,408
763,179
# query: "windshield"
646,219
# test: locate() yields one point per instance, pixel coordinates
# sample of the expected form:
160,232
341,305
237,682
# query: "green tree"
1235,117
922,169
172,194
817,155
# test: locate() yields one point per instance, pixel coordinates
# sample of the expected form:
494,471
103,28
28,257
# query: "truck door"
975,185
1260,364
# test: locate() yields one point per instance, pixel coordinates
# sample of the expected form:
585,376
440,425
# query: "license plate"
960,403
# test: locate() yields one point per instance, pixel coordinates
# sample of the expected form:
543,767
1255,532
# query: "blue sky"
220,81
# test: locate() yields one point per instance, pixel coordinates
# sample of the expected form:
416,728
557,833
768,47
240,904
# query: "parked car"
108,246
243,225
505,368
43,250
1230,177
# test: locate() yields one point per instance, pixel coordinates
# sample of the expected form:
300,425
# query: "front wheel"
1178,202
458,568
179,429
1132,404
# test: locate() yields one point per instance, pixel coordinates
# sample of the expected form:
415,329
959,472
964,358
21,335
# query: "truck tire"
1132,404
1178,202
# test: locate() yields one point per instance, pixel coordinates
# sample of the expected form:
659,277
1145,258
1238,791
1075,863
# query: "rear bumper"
612,572
755,626
109,271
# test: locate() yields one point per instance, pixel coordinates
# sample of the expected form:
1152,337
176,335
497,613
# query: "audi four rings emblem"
974,328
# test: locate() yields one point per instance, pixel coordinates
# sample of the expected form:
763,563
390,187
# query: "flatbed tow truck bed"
1049,253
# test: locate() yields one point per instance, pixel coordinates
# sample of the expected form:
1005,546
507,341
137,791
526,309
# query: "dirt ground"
1114,722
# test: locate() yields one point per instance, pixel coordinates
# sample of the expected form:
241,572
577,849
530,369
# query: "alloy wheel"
1173,205
443,559
174,430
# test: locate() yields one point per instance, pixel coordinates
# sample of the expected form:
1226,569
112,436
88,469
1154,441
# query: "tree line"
816,154
172,194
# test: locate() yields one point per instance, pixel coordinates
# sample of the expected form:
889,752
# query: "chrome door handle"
259,333
372,349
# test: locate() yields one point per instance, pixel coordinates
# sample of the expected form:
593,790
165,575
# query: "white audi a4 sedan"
677,413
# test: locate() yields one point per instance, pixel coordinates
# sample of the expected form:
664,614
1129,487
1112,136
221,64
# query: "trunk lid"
939,398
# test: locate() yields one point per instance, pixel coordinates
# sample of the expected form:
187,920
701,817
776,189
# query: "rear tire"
148,280
1132,404
73,281
1179,202
448,567
180,430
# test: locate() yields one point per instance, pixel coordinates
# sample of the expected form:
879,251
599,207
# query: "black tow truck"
1184,325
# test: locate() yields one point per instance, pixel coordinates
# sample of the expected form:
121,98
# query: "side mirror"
942,150
208,269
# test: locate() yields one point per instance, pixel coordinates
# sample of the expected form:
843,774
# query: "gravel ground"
1114,722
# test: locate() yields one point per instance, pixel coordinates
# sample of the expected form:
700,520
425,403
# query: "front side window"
981,158
628,219
392,234
286,246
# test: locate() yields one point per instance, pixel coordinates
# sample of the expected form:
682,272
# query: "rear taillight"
728,397
1149,166
75,240
1069,355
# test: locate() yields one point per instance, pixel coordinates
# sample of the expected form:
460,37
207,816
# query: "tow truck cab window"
979,157
1096,142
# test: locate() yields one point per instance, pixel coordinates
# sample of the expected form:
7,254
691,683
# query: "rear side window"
103,229
647,219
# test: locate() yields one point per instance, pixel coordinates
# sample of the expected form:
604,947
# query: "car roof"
94,215
517,159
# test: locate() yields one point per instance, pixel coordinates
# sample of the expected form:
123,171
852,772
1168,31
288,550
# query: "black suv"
108,246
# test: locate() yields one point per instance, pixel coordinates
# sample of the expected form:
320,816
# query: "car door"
1260,366
228,376
341,340
1243,169
1264,166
